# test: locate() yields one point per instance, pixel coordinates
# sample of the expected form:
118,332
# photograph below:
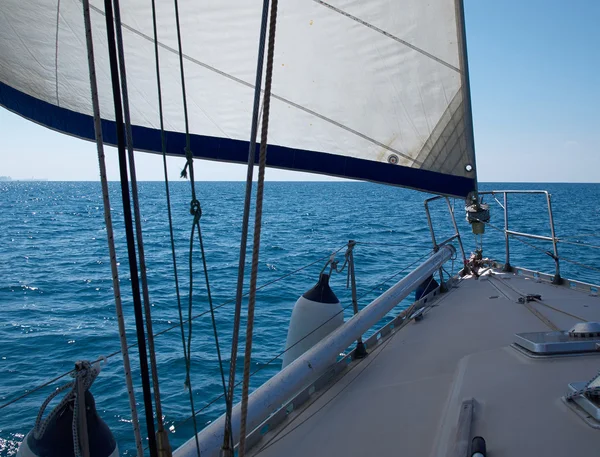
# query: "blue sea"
57,302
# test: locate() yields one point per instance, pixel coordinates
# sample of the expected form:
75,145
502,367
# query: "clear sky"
534,67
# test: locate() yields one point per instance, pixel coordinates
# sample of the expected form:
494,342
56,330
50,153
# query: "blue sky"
534,67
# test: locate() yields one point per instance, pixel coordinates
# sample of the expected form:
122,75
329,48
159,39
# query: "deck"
405,398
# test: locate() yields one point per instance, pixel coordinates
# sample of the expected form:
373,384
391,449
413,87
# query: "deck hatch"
591,405
560,342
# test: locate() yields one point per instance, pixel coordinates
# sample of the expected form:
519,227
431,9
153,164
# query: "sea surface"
56,297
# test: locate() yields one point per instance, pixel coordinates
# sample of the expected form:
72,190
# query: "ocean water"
56,299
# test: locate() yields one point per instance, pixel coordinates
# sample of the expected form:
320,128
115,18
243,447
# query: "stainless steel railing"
455,236
508,233
506,230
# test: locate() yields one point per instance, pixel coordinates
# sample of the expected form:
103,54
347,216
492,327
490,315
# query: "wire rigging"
279,436
257,225
548,253
273,359
168,329
163,441
109,235
227,447
169,212
196,212
135,286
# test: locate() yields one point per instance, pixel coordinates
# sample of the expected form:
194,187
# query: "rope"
548,253
85,374
268,363
278,437
168,329
138,228
578,243
110,239
212,402
574,262
580,319
196,225
333,263
227,450
195,210
583,235
523,300
168,197
257,225
128,219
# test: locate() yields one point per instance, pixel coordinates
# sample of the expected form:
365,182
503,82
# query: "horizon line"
345,181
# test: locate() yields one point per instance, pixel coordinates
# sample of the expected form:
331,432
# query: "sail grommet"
393,159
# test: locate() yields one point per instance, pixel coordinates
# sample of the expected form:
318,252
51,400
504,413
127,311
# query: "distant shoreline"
9,179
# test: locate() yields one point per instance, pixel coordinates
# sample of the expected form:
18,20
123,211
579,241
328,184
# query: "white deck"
405,397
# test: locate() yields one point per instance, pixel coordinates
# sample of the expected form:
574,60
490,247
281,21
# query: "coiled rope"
85,374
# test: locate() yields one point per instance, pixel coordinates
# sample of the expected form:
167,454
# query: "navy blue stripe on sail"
228,150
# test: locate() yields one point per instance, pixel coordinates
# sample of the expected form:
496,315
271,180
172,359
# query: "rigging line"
244,237
275,96
578,243
41,386
379,349
164,441
387,34
280,278
109,235
369,360
518,238
277,437
406,312
135,286
580,319
213,320
232,300
574,262
268,363
262,161
589,267
195,210
170,216
575,237
541,316
380,243
393,276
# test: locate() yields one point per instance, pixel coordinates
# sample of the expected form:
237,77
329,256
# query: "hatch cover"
561,342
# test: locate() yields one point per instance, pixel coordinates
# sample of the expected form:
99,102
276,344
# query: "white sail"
371,90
